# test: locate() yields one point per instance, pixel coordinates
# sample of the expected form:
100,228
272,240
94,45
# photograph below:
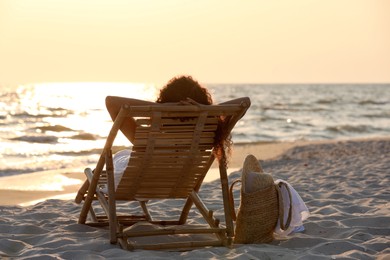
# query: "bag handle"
283,226
231,199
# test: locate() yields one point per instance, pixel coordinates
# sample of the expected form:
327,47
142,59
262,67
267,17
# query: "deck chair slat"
171,163
177,147
233,108
170,175
186,139
170,156
176,128
187,120
169,151
168,159
165,142
156,167
170,185
163,190
170,178
172,135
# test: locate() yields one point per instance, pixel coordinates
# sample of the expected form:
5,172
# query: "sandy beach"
345,185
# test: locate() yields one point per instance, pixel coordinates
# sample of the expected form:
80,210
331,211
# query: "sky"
279,41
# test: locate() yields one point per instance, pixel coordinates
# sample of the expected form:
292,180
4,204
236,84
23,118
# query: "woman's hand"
189,101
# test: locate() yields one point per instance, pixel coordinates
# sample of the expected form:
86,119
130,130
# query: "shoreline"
28,189
31,188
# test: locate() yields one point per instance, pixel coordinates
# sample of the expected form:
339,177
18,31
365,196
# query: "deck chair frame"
184,151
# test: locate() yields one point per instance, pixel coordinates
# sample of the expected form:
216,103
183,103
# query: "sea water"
64,125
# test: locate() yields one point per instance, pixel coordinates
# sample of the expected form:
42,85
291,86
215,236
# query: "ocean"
64,125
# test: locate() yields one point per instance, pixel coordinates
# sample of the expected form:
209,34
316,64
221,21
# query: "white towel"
299,210
120,161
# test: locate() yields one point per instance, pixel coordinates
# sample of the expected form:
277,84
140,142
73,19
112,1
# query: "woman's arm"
114,105
237,101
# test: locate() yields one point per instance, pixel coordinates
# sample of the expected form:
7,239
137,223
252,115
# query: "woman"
178,89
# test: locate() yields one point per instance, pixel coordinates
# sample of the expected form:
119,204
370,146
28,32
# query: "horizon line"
202,83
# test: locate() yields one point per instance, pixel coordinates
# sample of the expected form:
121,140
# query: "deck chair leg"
111,197
88,199
92,214
145,210
226,206
186,209
93,178
82,191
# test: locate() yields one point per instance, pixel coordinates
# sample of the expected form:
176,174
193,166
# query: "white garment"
120,161
299,210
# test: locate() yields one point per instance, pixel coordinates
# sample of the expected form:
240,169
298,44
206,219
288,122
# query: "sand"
344,184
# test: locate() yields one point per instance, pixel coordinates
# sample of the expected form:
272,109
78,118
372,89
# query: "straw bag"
261,205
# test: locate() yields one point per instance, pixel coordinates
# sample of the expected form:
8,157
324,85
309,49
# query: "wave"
326,101
351,129
49,139
24,115
85,136
53,128
61,109
383,114
17,171
44,139
298,108
372,102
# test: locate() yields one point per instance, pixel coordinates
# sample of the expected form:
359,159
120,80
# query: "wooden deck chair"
170,157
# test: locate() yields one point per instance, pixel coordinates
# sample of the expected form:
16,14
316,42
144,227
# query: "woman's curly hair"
183,87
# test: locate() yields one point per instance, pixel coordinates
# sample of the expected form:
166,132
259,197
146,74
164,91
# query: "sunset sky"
296,41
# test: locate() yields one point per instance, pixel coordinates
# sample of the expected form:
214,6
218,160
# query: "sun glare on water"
81,96
78,106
